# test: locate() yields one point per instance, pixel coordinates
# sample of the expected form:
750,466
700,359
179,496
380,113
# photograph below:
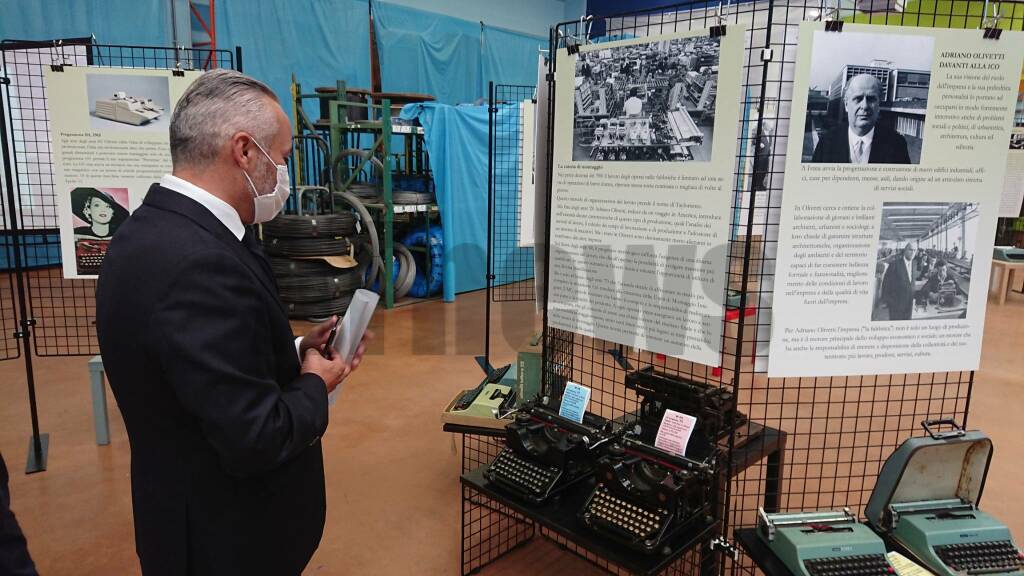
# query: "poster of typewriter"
651,102
108,130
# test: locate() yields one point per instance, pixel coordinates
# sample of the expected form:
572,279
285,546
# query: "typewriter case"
948,465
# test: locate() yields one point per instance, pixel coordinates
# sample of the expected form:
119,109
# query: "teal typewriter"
1008,254
824,544
926,502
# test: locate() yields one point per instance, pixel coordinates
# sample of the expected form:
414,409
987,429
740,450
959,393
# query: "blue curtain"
449,58
137,22
429,53
321,41
511,57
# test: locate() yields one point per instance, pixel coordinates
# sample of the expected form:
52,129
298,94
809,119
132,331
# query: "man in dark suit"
898,285
224,410
861,140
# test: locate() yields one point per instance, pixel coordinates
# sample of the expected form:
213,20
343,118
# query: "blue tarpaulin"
456,139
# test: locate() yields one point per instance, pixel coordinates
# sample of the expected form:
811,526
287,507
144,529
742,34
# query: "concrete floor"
392,474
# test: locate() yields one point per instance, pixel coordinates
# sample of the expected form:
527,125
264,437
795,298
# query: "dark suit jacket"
887,147
898,289
227,469
14,557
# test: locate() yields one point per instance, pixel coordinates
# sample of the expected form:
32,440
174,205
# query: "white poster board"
109,132
883,266
644,154
527,179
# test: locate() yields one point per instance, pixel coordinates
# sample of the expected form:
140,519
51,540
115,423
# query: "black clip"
620,358
176,72
993,33
56,67
4,80
492,109
571,47
990,23
833,25
717,31
550,77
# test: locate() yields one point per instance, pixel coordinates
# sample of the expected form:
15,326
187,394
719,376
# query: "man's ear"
242,150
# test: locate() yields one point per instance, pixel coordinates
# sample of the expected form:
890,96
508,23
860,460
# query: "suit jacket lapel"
165,199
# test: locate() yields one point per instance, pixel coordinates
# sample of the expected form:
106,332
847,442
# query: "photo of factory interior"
935,243
646,102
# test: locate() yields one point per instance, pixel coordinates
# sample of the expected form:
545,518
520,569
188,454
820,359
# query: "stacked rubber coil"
297,245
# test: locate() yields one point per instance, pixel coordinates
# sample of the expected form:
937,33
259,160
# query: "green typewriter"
926,502
824,543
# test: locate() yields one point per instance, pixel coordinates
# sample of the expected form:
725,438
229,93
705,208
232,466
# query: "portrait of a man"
864,141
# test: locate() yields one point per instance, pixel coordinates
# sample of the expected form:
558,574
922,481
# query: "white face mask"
269,205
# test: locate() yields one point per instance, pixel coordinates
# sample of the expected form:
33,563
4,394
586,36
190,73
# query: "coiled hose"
376,262
305,247
324,225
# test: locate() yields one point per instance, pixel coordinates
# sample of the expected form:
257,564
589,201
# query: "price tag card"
574,402
674,432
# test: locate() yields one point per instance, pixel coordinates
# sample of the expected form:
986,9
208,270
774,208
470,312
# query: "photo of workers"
97,214
867,98
649,102
924,260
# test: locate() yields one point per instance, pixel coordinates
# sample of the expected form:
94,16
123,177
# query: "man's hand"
317,337
332,370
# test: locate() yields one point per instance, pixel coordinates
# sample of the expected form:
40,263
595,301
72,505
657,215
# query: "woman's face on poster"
98,211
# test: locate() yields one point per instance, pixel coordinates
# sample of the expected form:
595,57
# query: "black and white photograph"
924,260
1017,141
649,102
867,99
128,102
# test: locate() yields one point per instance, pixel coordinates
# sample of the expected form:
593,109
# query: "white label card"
674,432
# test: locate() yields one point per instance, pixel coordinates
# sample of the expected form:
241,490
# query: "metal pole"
39,443
491,122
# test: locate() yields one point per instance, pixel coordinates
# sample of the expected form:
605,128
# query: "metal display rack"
367,128
509,266
824,439
57,315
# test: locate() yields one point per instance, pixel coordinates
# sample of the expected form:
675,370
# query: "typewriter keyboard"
981,557
609,512
526,476
861,565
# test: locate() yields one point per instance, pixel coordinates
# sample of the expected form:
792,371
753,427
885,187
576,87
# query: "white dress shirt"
909,264
219,208
866,139
633,106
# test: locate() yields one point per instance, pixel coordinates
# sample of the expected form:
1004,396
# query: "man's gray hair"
218,105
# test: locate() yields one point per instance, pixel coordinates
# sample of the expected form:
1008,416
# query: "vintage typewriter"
89,255
545,453
645,495
713,406
824,543
488,403
926,502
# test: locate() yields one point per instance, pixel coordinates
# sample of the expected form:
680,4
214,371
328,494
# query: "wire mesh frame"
839,429
511,266
490,529
63,310
9,347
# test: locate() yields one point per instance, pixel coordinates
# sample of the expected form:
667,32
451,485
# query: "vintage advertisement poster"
644,155
108,148
894,172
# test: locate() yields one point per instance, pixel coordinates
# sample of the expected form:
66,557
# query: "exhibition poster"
108,148
894,172
644,154
527,180
1013,188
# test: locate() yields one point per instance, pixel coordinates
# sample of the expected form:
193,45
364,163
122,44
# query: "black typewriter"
645,495
89,255
713,406
546,453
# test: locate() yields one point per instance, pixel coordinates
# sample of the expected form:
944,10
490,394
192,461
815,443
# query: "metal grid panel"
490,529
838,431
511,266
64,311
